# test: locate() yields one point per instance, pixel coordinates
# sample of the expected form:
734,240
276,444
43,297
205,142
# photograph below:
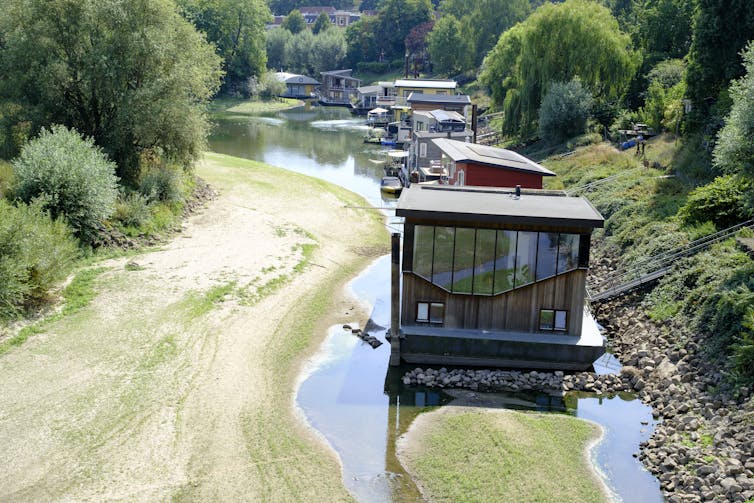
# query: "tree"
277,41
71,176
132,74
448,46
270,86
664,94
416,44
300,52
237,28
322,23
361,38
721,30
395,20
489,19
294,22
328,52
564,111
557,43
734,152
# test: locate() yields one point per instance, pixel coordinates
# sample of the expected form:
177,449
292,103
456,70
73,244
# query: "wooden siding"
516,310
487,176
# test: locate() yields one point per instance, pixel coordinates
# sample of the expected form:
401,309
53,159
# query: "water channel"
347,393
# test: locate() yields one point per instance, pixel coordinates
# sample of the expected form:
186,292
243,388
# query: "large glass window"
424,240
547,254
484,261
442,268
526,258
488,261
505,261
463,261
568,252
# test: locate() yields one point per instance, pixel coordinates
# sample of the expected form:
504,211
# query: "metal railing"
652,268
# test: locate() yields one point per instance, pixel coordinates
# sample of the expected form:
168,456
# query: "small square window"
553,320
422,312
436,312
546,319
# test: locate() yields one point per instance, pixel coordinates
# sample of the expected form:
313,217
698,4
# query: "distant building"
297,86
338,88
339,18
494,278
483,166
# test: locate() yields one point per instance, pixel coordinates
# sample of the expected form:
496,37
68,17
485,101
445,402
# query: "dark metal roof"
461,151
499,206
454,99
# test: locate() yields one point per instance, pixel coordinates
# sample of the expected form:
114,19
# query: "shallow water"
348,394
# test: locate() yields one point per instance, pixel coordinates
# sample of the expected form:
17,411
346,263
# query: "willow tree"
557,43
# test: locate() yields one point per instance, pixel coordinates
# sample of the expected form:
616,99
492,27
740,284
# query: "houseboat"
338,88
398,133
493,277
297,86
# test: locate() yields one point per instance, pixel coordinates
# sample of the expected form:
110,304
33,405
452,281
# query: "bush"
721,202
132,210
162,184
7,179
372,67
35,252
71,175
564,111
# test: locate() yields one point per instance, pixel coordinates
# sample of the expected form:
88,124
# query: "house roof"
446,116
427,84
445,99
294,78
496,205
495,157
340,73
369,89
317,9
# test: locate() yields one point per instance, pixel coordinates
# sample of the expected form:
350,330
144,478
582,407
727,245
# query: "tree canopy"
322,23
294,22
237,28
557,43
449,46
396,19
132,74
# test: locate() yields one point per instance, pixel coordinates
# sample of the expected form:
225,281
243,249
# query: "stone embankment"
702,449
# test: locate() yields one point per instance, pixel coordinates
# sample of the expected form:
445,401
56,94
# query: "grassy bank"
240,106
483,455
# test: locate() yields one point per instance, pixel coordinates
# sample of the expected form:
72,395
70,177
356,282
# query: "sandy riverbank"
177,381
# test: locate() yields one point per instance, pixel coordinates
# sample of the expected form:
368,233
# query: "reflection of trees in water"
249,137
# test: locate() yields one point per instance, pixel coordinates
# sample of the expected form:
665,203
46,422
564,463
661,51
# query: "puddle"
348,395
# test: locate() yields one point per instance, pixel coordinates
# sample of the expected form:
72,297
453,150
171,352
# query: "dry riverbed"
176,382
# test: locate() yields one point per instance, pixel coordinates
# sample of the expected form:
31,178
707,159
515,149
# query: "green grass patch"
250,107
479,456
77,295
197,304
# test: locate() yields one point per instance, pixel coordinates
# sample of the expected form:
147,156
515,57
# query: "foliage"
236,27
721,30
300,50
328,52
132,210
663,28
35,253
268,87
162,184
283,7
71,176
294,22
362,39
277,40
721,202
564,111
663,107
557,43
396,19
7,179
15,130
416,46
132,74
449,47
734,152
322,23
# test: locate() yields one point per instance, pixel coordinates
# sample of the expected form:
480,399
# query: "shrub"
163,184
721,202
7,179
132,210
71,175
564,111
372,67
35,252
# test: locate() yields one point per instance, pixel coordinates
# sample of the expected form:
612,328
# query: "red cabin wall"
486,176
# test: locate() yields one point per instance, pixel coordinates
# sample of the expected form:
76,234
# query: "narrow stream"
348,394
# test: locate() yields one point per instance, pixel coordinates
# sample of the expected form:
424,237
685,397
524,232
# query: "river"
347,393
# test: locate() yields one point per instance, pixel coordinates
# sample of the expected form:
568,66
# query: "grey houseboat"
494,277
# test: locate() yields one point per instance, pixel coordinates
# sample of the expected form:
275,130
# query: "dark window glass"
442,271
526,256
547,254
484,261
436,312
505,257
423,241
463,261
546,319
568,252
